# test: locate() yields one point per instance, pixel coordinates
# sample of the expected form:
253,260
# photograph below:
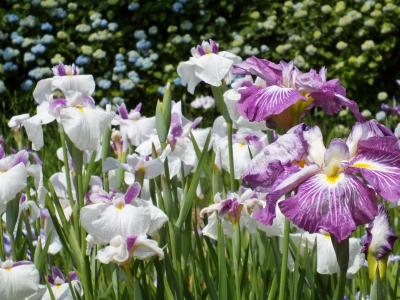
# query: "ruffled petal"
381,169
85,126
186,71
336,205
12,182
19,282
267,70
257,104
212,68
105,221
292,178
43,91
265,167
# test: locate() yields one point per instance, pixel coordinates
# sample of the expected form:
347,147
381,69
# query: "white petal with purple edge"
12,182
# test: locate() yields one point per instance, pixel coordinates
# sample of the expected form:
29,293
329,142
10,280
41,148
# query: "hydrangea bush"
132,47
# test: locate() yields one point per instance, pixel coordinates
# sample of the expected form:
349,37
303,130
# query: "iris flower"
113,218
206,64
282,93
378,243
66,97
335,187
19,280
60,286
13,175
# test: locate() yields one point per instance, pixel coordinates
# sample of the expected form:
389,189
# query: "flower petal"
85,126
186,73
337,205
19,282
12,182
380,169
212,68
257,104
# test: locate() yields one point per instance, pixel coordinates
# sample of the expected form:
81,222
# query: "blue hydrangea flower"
177,7
82,60
143,45
27,84
132,75
47,39
60,13
28,57
177,81
38,49
133,6
119,57
139,34
126,85
46,26
9,53
11,18
104,84
10,66
120,67
104,101
112,26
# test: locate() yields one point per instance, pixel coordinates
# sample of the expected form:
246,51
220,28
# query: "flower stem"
282,282
236,246
104,153
342,255
230,154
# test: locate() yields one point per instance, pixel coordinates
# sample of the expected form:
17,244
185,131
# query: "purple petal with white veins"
2,152
336,205
290,179
73,276
265,167
257,104
381,169
384,143
132,193
267,70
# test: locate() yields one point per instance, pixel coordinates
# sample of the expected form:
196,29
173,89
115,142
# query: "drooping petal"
267,70
257,104
380,169
186,71
269,163
212,68
116,252
85,126
363,131
145,248
105,221
336,205
291,179
43,91
18,282
12,182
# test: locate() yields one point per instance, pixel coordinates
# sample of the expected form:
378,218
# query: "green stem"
342,255
230,154
105,148
67,171
236,245
282,283
130,284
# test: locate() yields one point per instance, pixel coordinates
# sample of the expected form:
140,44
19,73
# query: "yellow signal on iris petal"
332,179
363,165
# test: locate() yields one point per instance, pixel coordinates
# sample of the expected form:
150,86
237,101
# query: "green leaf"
191,193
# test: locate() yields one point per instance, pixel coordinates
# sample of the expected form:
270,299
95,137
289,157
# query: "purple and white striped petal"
380,237
132,193
257,104
331,204
267,70
268,164
380,169
288,181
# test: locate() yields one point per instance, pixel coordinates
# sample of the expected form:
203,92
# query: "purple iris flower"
335,187
286,92
379,238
